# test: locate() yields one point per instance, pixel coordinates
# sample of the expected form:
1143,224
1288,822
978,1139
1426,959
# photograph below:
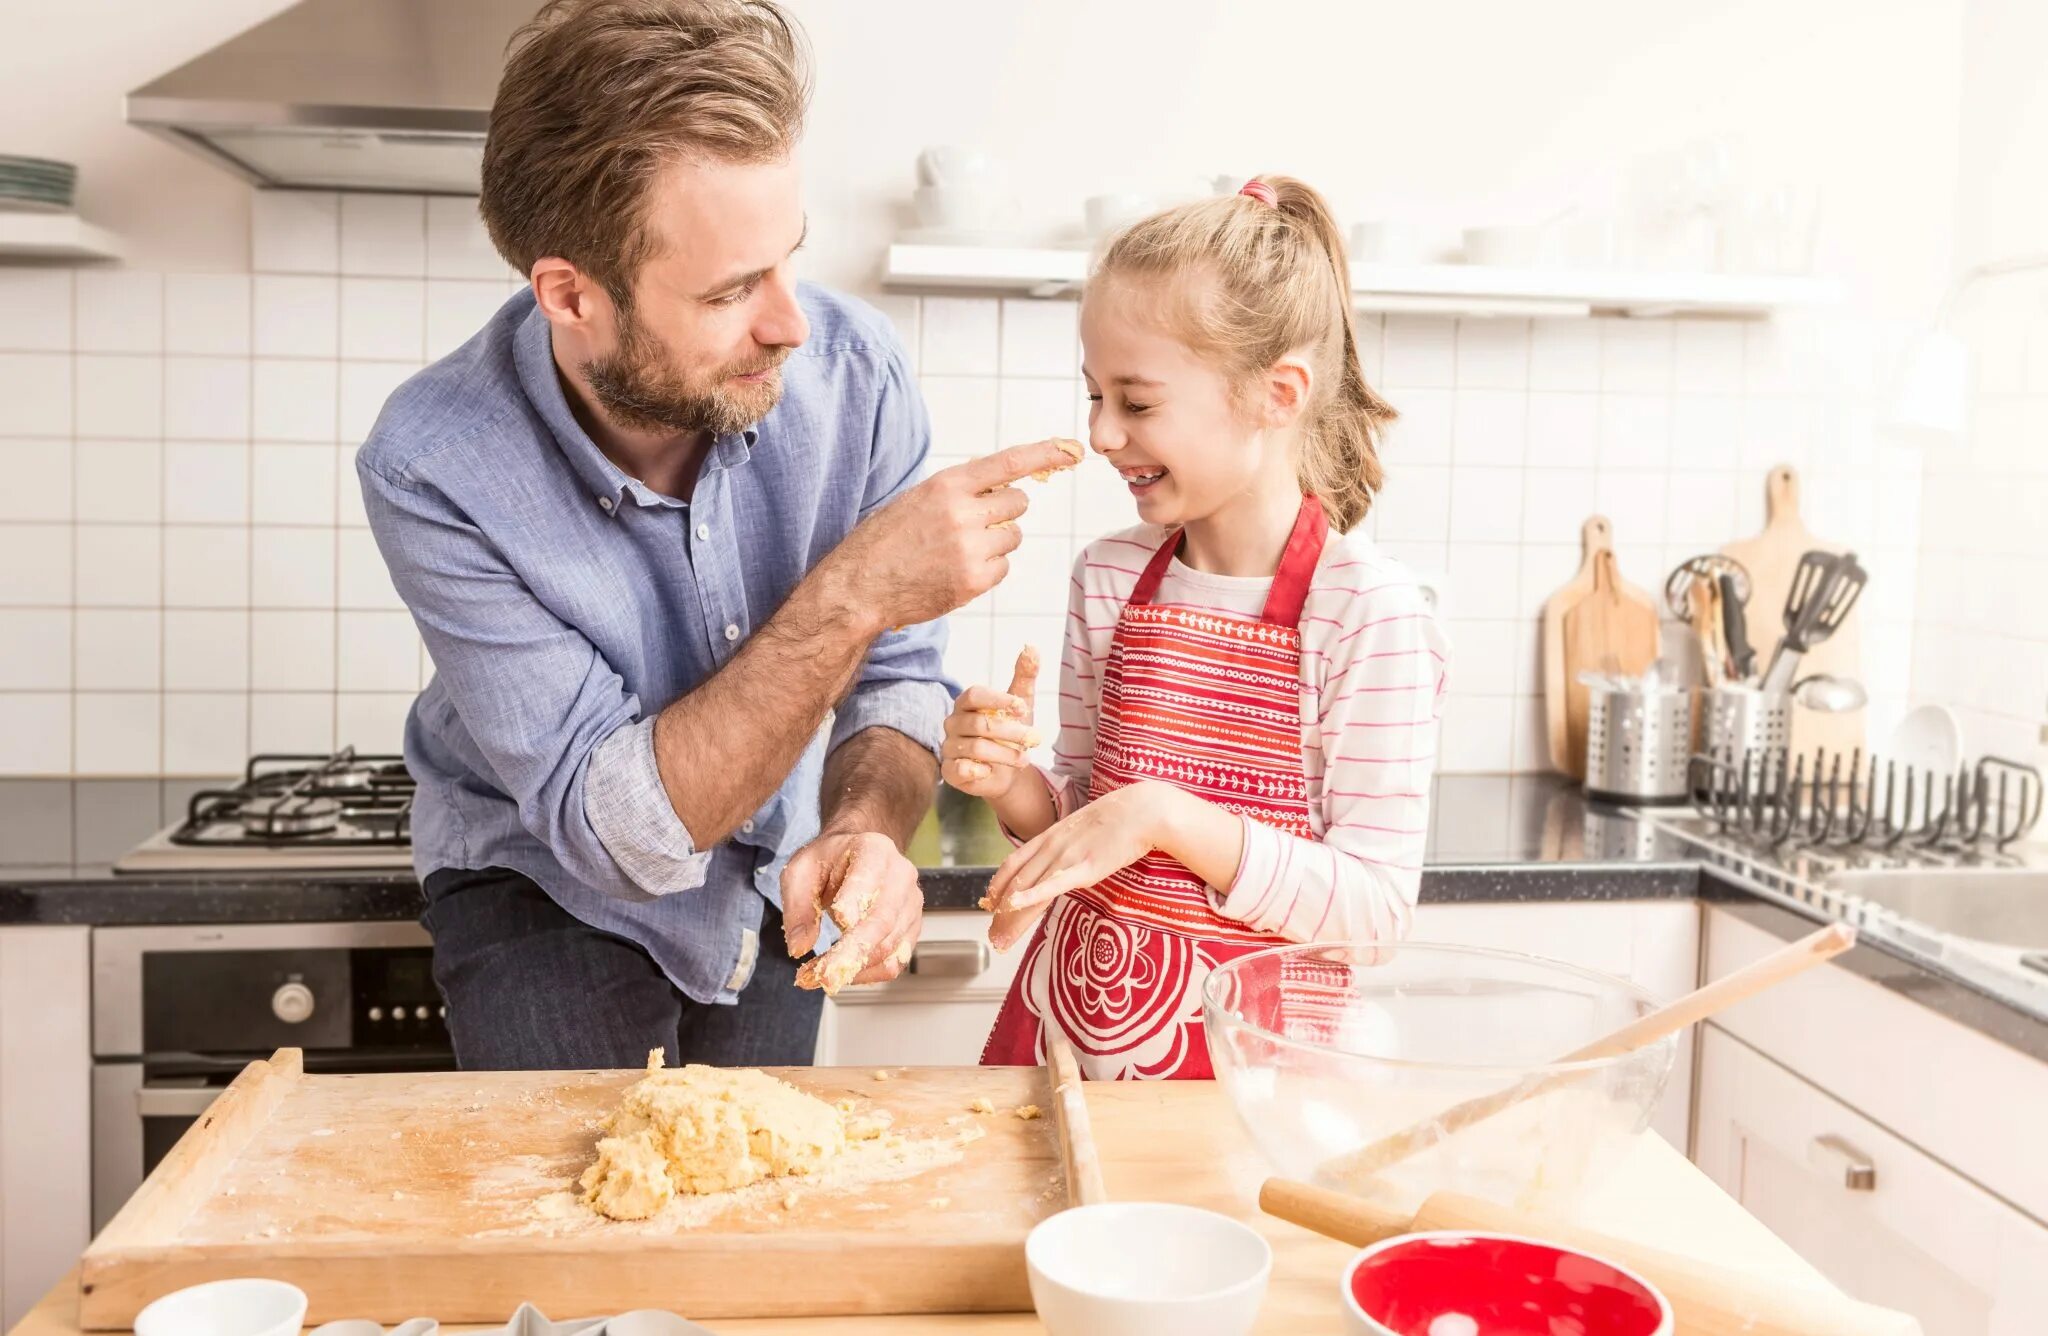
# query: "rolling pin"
1705,1300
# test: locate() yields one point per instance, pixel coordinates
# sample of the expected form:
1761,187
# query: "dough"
1075,451
703,1129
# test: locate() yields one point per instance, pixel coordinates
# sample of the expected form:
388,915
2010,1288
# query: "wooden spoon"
1356,1166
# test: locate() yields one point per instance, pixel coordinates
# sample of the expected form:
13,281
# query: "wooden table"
1180,1141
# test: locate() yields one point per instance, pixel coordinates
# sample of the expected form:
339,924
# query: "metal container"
1638,742
1742,721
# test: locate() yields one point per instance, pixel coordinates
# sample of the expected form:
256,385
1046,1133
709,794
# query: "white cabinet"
1880,1218
939,1013
45,1110
1654,944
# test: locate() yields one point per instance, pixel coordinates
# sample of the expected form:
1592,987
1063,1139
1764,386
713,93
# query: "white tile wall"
1982,632
185,570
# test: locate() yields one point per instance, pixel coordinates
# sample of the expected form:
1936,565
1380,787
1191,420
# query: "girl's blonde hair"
1277,281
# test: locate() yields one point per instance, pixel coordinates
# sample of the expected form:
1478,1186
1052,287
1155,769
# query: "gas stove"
299,813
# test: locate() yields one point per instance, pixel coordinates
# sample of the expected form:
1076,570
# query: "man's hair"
599,95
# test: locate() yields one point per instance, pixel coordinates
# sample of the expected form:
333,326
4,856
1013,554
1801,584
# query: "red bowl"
1454,1283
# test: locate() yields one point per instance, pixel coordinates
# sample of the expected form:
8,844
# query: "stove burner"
288,815
338,801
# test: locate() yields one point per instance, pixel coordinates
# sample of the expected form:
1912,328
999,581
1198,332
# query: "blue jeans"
529,987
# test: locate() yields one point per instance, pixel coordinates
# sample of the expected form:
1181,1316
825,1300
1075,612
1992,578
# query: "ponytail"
1282,283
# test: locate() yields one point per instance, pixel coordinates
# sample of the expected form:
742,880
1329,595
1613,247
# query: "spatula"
1824,589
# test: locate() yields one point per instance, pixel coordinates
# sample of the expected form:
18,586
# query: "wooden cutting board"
387,1196
1596,621
1771,558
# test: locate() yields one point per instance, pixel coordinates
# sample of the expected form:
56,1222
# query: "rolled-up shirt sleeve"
555,727
902,683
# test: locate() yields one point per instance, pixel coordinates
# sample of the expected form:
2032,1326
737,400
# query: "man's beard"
638,387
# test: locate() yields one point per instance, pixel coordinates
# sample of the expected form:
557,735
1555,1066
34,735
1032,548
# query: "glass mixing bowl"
1326,1049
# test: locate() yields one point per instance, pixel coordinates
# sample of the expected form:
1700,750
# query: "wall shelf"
1436,289
54,236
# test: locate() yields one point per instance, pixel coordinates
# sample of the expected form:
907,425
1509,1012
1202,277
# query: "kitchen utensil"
1705,569
420,1198
1824,590
1070,1115
1147,1268
1829,694
1704,621
1741,721
241,1307
1793,958
1707,1300
1929,738
1735,628
1771,557
1639,741
1457,1280
1595,621
1327,1047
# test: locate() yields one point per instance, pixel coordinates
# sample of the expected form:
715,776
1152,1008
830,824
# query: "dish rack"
1828,799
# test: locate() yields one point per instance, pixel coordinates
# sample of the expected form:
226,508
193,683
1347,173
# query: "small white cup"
242,1307
1146,1269
1107,213
956,165
960,208
1389,242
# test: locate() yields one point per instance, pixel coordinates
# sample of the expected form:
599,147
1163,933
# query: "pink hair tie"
1261,192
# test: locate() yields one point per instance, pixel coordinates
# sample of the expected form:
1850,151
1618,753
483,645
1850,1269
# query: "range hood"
344,95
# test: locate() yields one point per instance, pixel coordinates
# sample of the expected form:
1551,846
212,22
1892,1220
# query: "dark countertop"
1493,839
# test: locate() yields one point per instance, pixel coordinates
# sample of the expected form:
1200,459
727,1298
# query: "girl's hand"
1110,833
988,733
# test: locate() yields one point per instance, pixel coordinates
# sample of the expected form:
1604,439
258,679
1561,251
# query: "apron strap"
1147,587
1297,565
1290,583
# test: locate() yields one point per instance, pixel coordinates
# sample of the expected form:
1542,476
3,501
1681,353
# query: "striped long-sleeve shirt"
1372,681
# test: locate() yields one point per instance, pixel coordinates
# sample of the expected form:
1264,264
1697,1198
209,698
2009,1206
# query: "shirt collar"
534,354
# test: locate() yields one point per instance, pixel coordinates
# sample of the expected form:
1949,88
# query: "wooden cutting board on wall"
1771,558
387,1195
1596,622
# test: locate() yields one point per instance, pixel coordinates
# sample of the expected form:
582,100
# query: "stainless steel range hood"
344,95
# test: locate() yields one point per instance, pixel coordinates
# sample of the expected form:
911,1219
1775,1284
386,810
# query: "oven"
179,1011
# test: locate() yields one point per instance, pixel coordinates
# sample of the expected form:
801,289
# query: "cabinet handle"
942,959
1831,1154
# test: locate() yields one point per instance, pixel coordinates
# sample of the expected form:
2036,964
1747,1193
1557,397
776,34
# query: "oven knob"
292,1003
376,1013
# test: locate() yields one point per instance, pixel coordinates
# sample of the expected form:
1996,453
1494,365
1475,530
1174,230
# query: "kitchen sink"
2004,906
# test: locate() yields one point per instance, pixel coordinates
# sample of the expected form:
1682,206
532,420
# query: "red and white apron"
1210,703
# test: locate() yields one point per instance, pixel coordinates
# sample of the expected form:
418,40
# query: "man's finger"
1003,505
1024,680
852,893
800,886
1015,464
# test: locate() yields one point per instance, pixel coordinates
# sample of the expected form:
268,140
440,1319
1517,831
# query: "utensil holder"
1638,744
1742,721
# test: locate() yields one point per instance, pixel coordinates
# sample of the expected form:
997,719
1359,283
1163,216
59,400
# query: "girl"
1248,691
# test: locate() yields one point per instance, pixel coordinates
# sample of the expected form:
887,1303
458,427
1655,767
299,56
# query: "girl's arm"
1377,716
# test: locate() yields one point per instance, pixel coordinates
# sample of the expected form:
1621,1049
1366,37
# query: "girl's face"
1163,418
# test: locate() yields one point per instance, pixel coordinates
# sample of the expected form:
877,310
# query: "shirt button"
604,503
731,632
703,531
746,827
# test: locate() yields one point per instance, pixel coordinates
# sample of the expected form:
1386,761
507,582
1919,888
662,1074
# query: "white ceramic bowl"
964,208
1513,246
1146,1269
1105,214
1930,738
245,1307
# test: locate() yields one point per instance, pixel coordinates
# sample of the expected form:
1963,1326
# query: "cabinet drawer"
1882,1219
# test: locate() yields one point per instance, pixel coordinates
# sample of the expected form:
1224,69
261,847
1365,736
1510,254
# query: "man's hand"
947,540
871,891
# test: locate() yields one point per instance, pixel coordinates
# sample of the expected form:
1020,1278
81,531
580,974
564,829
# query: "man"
658,523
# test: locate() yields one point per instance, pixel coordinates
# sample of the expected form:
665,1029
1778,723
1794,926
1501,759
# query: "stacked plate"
36,185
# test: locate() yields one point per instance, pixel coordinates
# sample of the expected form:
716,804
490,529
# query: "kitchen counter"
1180,1141
1493,839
